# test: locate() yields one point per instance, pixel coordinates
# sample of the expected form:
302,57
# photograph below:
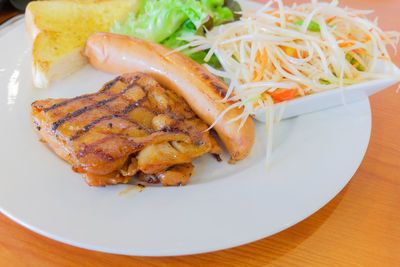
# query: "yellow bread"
59,30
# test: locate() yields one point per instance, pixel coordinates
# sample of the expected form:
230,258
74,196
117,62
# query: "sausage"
200,88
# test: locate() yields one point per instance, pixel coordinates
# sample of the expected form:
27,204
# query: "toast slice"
59,30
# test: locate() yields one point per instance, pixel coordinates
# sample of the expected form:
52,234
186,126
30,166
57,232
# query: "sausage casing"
201,89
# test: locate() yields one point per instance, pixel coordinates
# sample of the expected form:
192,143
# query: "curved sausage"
201,89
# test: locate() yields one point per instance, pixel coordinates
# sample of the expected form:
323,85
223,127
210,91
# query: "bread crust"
46,69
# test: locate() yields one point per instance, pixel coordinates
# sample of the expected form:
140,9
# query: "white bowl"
335,97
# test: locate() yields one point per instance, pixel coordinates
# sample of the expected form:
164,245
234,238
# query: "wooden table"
359,227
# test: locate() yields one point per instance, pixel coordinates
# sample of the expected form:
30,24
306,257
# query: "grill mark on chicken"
105,88
103,155
121,114
78,112
89,126
93,147
170,129
99,143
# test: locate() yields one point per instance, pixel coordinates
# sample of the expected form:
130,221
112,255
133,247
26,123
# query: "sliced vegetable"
262,59
290,51
281,95
313,26
344,43
324,82
251,99
320,51
354,62
255,51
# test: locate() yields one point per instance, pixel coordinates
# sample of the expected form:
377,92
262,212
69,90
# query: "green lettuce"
174,41
353,62
313,26
220,13
158,19
166,21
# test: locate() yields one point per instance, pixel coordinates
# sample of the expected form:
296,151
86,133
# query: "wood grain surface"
359,227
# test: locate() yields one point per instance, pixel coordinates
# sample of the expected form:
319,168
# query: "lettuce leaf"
166,21
158,19
220,13
174,41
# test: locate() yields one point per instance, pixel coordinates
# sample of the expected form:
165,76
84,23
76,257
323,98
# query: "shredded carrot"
330,20
344,43
255,76
384,58
271,11
262,59
285,69
362,51
290,51
366,38
278,15
280,95
351,37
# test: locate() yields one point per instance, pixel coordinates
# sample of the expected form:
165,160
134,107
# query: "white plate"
314,156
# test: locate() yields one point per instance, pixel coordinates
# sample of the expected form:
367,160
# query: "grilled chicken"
175,175
131,126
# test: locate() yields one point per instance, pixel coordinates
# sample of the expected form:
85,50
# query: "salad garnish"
166,21
279,53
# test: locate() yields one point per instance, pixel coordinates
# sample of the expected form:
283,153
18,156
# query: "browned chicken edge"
131,127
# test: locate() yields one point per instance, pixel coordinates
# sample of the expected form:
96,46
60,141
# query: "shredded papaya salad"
279,53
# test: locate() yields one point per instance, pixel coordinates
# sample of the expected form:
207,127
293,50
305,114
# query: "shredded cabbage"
278,53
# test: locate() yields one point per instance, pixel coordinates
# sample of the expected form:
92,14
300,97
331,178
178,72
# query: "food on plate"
167,21
202,90
278,53
59,29
131,126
